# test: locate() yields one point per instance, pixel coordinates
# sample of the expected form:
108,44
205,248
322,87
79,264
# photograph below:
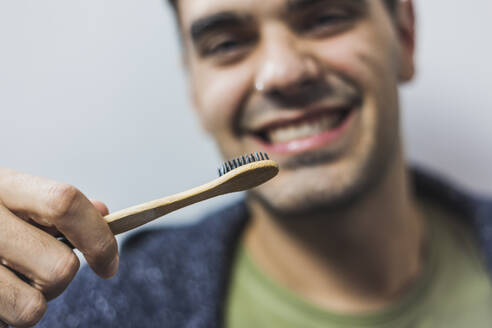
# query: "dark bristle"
240,161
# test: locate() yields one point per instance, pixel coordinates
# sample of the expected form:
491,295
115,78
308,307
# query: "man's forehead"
191,10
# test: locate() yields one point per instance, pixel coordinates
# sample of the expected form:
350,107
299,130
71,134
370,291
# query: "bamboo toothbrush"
239,174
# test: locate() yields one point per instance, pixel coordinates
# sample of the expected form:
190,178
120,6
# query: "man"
344,236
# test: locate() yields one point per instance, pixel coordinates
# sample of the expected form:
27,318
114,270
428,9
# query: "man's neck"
354,261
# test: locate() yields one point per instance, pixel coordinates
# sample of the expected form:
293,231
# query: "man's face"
313,83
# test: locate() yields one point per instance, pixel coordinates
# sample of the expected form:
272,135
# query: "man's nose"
287,72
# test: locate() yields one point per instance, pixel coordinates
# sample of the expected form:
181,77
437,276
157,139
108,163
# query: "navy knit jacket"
178,277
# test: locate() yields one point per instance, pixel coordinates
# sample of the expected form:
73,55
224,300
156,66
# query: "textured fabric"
174,277
453,291
178,277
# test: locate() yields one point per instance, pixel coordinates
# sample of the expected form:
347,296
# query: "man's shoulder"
475,209
437,188
170,274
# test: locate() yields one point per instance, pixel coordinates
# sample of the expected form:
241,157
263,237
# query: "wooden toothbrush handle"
241,178
129,219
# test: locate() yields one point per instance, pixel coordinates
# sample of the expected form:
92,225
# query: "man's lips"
307,131
288,117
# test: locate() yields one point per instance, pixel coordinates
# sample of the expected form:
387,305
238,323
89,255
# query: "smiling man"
345,236
311,82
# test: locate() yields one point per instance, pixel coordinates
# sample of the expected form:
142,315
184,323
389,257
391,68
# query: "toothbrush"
239,174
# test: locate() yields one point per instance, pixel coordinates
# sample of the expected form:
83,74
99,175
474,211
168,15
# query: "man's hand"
34,266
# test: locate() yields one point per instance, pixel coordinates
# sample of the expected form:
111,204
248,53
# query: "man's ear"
405,24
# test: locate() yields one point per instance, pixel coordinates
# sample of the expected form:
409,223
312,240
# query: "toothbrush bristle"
240,161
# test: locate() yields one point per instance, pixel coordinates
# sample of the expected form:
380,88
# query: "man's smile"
306,130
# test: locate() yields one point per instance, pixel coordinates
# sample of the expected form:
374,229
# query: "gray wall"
448,108
92,93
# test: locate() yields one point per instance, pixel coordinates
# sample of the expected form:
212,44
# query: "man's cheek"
360,56
219,94
352,64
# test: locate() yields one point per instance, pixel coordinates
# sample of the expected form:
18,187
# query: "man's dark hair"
390,4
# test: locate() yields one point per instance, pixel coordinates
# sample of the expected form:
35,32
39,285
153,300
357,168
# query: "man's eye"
325,22
328,19
223,47
226,48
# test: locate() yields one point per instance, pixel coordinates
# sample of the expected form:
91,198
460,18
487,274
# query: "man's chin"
310,160
309,204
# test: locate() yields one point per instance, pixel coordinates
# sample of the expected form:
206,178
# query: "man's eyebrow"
293,5
216,21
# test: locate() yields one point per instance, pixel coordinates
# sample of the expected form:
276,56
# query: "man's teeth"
304,129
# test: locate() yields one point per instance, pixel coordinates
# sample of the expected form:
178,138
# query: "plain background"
93,93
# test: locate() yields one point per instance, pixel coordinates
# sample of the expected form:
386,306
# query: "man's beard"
367,178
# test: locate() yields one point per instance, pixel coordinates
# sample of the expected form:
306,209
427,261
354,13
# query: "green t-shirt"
453,291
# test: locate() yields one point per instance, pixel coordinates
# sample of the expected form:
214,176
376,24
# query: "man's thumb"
101,207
